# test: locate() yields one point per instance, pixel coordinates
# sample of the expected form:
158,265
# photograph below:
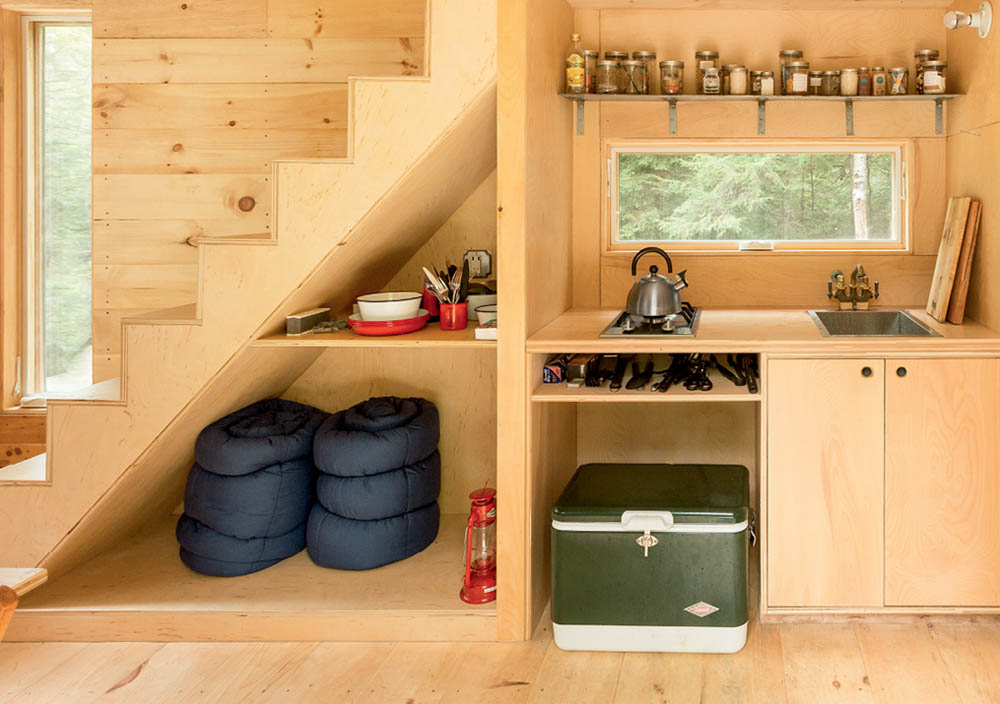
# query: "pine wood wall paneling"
346,18
256,61
244,197
180,18
244,106
21,437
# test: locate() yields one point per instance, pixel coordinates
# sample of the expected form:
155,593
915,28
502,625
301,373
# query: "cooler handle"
647,520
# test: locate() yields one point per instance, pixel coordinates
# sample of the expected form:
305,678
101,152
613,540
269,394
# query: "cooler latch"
646,541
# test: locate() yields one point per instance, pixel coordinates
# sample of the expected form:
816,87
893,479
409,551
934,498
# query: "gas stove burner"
683,324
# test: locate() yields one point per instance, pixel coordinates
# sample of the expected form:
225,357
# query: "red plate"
378,328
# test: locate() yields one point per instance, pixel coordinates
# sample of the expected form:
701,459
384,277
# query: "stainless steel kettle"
655,297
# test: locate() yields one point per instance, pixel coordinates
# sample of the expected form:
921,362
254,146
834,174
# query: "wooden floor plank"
90,673
576,678
415,672
904,664
823,663
22,664
971,652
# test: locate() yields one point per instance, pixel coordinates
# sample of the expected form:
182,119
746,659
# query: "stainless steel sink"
869,323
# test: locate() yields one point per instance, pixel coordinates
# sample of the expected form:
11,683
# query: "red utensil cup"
454,316
430,304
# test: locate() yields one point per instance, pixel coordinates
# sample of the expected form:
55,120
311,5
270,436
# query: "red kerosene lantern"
480,584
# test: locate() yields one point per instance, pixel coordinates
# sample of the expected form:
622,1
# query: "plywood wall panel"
214,150
255,60
190,18
142,287
346,18
196,196
244,106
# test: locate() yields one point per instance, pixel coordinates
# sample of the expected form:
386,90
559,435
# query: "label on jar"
815,81
711,85
800,82
705,65
932,79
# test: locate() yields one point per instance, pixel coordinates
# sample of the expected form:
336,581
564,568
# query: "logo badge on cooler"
701,609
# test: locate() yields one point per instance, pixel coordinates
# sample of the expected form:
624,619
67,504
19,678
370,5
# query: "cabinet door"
942,477
825,443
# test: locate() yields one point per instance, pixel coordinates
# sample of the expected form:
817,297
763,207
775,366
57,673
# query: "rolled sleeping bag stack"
249,492
379,480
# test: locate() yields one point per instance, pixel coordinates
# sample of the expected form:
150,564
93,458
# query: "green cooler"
652,557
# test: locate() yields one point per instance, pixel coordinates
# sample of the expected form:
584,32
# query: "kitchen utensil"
431,304
485,314
454,316
697,379
390,305
654,297
381,328
960,290
948,254
619,375
640,378
593,379
463,287
437,286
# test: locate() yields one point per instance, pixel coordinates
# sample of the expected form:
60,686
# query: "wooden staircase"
417,147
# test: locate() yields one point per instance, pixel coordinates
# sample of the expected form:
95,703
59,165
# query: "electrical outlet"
480,263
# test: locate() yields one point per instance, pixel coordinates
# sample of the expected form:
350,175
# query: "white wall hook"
982,20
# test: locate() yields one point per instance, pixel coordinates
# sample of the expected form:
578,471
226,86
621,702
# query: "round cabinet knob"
866,371
901,372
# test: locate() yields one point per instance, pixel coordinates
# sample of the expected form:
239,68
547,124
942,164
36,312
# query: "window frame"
902,149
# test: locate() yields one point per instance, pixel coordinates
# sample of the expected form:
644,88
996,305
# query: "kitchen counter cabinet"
825,449
942,482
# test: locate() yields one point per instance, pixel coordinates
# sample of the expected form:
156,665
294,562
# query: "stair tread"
23,579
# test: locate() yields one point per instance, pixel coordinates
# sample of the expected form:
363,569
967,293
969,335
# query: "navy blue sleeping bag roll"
200,539
270,501
346,544
378,435
382,495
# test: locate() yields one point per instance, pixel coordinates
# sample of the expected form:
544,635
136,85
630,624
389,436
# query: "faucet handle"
829,289
876,289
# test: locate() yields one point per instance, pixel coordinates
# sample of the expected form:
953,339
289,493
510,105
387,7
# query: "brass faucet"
854,296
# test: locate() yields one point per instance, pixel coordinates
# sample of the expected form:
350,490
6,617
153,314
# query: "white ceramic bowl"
480,299
390,305
486,313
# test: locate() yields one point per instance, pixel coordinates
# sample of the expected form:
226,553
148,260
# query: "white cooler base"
651,639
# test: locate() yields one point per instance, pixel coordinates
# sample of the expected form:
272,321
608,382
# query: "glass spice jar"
607,77
766,83
784,58
815,83
738,80
864,81
935,81
590,58
648,59
849,81
919,57
705,60
755,82
830,83
712,82
724,73
618,57
671,77
633,70
879,80
899,77
797,78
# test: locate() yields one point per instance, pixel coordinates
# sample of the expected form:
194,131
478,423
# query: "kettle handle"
651,250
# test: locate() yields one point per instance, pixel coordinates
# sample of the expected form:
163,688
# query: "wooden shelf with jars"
762,100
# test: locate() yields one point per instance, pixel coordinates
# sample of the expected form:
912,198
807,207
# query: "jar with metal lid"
590,58
738,80
712,84
815,83
849,81
879,80
633,70
607,76
829,83
705,60
784,58
648,59
919,57
899,78
797,78
618,57
864,81
935,81
767,83
755,82
671,77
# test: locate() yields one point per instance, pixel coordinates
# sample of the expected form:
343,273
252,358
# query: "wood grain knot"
177,147
246,204
232,123
184,6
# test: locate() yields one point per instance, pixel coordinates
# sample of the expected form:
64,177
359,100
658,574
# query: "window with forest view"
58,355
786,197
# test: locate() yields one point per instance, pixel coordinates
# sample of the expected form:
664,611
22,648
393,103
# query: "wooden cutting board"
948,254
960,291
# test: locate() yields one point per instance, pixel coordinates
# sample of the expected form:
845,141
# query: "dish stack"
389,313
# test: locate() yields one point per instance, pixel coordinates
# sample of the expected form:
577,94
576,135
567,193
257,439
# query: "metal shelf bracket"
673,117
579,117
849,117
762,118
939,116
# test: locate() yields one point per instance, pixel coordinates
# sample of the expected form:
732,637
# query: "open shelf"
430,336
141,591
723,390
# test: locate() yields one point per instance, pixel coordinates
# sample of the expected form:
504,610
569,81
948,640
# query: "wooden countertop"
756,330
